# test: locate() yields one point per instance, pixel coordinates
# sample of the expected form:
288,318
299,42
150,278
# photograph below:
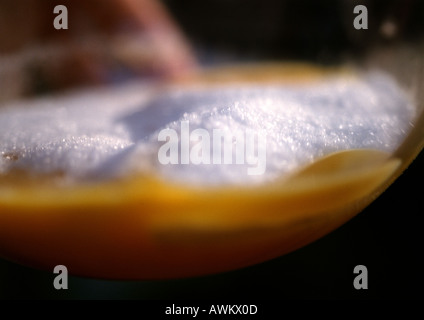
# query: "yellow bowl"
146,228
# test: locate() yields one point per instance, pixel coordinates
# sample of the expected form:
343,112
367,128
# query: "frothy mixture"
270,129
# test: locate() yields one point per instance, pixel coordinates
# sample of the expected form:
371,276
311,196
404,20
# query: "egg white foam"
101,134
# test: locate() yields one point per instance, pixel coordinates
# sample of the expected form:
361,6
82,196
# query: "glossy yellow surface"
145,228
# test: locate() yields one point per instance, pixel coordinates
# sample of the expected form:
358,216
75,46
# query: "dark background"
387,237
320,31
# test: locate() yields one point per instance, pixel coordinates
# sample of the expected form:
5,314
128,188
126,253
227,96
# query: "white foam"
99,134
